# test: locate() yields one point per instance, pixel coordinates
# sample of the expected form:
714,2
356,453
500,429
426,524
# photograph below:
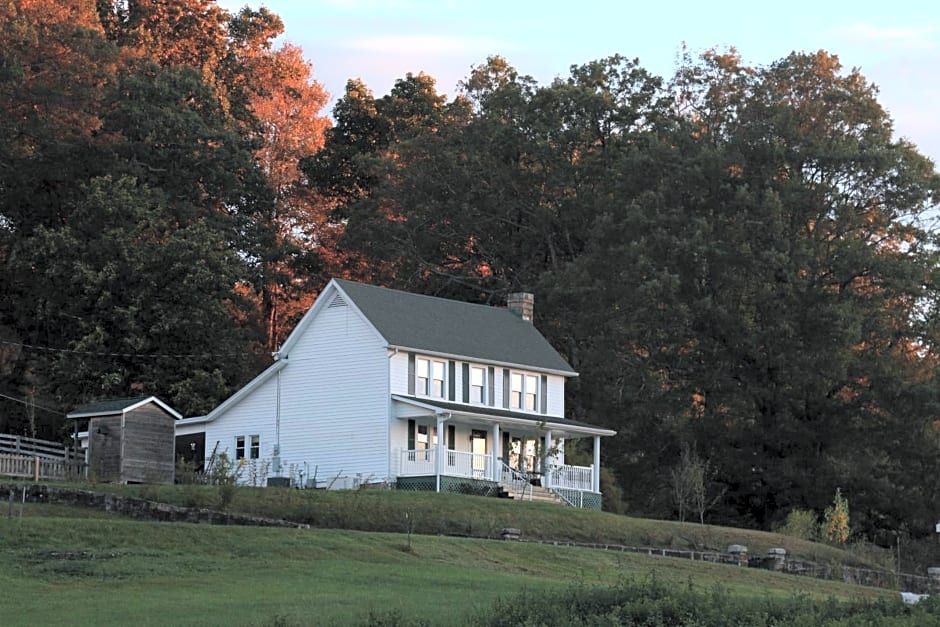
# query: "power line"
31,404
130,355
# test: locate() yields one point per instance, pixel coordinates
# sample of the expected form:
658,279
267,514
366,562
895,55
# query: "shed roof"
113,406
440,325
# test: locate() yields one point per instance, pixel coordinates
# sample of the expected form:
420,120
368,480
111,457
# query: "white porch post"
497,454
439,452
596,475
546,447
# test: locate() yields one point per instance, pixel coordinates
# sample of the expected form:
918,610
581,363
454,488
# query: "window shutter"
466,382
411,374
506,387
491,386
507,447
451,437
451,381
411,435
543,396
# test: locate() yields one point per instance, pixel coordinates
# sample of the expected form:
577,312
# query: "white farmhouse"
379,385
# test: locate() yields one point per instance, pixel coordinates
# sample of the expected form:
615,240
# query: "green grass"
56,568
453,514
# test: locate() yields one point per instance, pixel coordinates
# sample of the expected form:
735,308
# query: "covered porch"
444,444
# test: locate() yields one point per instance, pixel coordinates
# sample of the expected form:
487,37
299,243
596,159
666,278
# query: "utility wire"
31,404
106,354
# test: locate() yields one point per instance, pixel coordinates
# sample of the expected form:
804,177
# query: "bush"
655,604
802,524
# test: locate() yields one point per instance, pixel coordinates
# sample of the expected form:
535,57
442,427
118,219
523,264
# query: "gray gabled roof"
443,326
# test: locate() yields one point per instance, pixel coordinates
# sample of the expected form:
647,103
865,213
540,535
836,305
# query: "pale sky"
896,45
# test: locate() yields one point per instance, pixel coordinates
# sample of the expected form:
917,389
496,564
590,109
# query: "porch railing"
517,480
422,462
417,462
571,478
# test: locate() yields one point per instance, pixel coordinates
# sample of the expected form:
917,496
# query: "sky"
895,45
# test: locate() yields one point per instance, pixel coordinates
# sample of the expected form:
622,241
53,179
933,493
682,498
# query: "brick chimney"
522,304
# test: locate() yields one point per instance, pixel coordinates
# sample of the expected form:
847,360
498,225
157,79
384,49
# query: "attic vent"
338,302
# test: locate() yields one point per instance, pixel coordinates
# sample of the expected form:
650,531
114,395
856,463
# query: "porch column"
546,447
497,454
439,452
596,478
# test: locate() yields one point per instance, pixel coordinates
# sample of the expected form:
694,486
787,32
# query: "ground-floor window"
247,446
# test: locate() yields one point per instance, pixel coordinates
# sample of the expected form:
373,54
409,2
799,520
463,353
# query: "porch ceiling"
414,407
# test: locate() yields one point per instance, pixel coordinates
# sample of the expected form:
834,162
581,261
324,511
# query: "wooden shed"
130,440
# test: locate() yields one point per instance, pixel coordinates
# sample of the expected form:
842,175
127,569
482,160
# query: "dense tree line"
736,259
153,228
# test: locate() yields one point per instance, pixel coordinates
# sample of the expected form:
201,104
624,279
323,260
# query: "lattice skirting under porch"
455,485
584,500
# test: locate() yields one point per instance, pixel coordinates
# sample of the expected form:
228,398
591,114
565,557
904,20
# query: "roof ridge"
421,295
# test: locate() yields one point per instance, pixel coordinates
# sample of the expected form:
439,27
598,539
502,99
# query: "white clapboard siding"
334,398
333,403
253,415
556,395
398,362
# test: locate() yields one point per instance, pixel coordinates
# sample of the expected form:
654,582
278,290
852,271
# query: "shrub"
802,524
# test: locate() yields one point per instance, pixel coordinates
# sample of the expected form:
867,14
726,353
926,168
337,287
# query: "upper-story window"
523,391
515,390
477,385
531,388
437,379
429,377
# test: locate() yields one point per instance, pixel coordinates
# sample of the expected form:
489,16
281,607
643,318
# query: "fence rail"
40,468
34,447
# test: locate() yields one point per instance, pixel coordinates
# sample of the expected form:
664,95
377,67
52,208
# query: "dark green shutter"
543,400
491,386
411,374
411,435
466,382
451,381
507,447
506,387
451,437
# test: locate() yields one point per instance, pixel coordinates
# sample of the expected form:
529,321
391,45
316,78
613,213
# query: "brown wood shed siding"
104,448
149,445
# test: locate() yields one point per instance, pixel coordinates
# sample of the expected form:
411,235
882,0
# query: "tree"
282,105
125,194
765,288
835,527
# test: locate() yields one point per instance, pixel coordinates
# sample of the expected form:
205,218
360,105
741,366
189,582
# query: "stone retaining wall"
140,509
847,574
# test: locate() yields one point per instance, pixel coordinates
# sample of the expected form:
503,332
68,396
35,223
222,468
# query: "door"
478,448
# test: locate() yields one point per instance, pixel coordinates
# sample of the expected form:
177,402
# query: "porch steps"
530,493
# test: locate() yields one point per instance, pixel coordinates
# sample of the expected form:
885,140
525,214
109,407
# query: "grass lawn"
57,568
455,514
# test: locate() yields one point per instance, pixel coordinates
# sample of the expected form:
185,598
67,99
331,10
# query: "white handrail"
422,462
571,478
